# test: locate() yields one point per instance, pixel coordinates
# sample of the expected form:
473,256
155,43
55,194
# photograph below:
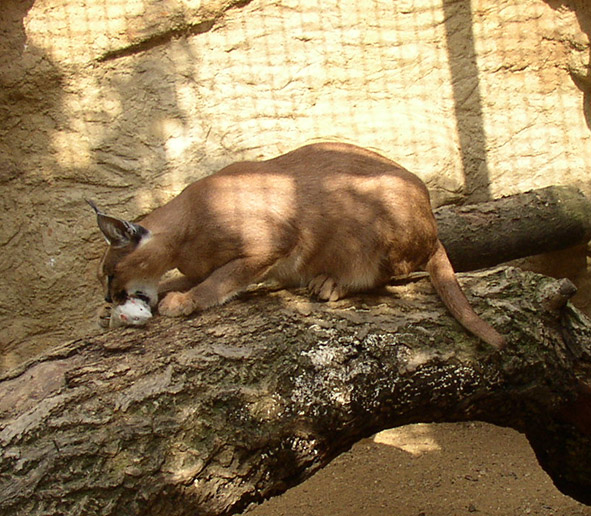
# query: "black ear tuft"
93,206
117,232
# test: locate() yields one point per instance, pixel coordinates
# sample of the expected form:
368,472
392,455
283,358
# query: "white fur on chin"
150,290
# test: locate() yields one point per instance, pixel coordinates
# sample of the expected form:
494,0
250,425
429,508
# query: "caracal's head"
118,272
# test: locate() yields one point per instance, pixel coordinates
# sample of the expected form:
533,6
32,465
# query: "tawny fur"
333,217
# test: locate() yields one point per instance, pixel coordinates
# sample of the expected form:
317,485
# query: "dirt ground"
430,470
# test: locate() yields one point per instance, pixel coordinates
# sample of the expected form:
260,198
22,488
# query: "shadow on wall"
465,80
132,152
33,223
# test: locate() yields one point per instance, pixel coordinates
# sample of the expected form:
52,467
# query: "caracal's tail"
444,280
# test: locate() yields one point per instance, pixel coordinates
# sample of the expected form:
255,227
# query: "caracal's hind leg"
221,285
325,288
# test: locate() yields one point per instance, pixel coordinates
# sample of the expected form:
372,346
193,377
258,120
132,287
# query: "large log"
207,415
489,233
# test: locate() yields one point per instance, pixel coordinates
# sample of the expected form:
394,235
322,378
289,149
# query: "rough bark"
488,233
206,415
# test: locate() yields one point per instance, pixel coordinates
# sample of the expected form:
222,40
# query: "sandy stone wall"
127,101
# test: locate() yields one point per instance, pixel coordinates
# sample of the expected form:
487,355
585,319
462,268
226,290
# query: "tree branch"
206,415
489,233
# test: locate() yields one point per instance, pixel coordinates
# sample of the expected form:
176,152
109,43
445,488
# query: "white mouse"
134,312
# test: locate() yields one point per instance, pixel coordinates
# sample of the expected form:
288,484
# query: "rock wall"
125,102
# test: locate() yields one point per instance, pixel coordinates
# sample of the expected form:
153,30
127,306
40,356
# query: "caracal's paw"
176,304
325,288
104,316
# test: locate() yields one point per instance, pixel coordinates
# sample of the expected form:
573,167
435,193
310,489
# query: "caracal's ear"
117,232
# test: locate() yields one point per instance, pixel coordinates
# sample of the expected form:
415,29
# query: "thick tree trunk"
206,415
489,233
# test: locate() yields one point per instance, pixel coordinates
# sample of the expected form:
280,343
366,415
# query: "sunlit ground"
430,470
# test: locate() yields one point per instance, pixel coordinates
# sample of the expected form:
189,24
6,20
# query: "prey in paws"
134,312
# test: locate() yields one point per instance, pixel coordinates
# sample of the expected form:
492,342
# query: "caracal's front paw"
104,316
176,304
